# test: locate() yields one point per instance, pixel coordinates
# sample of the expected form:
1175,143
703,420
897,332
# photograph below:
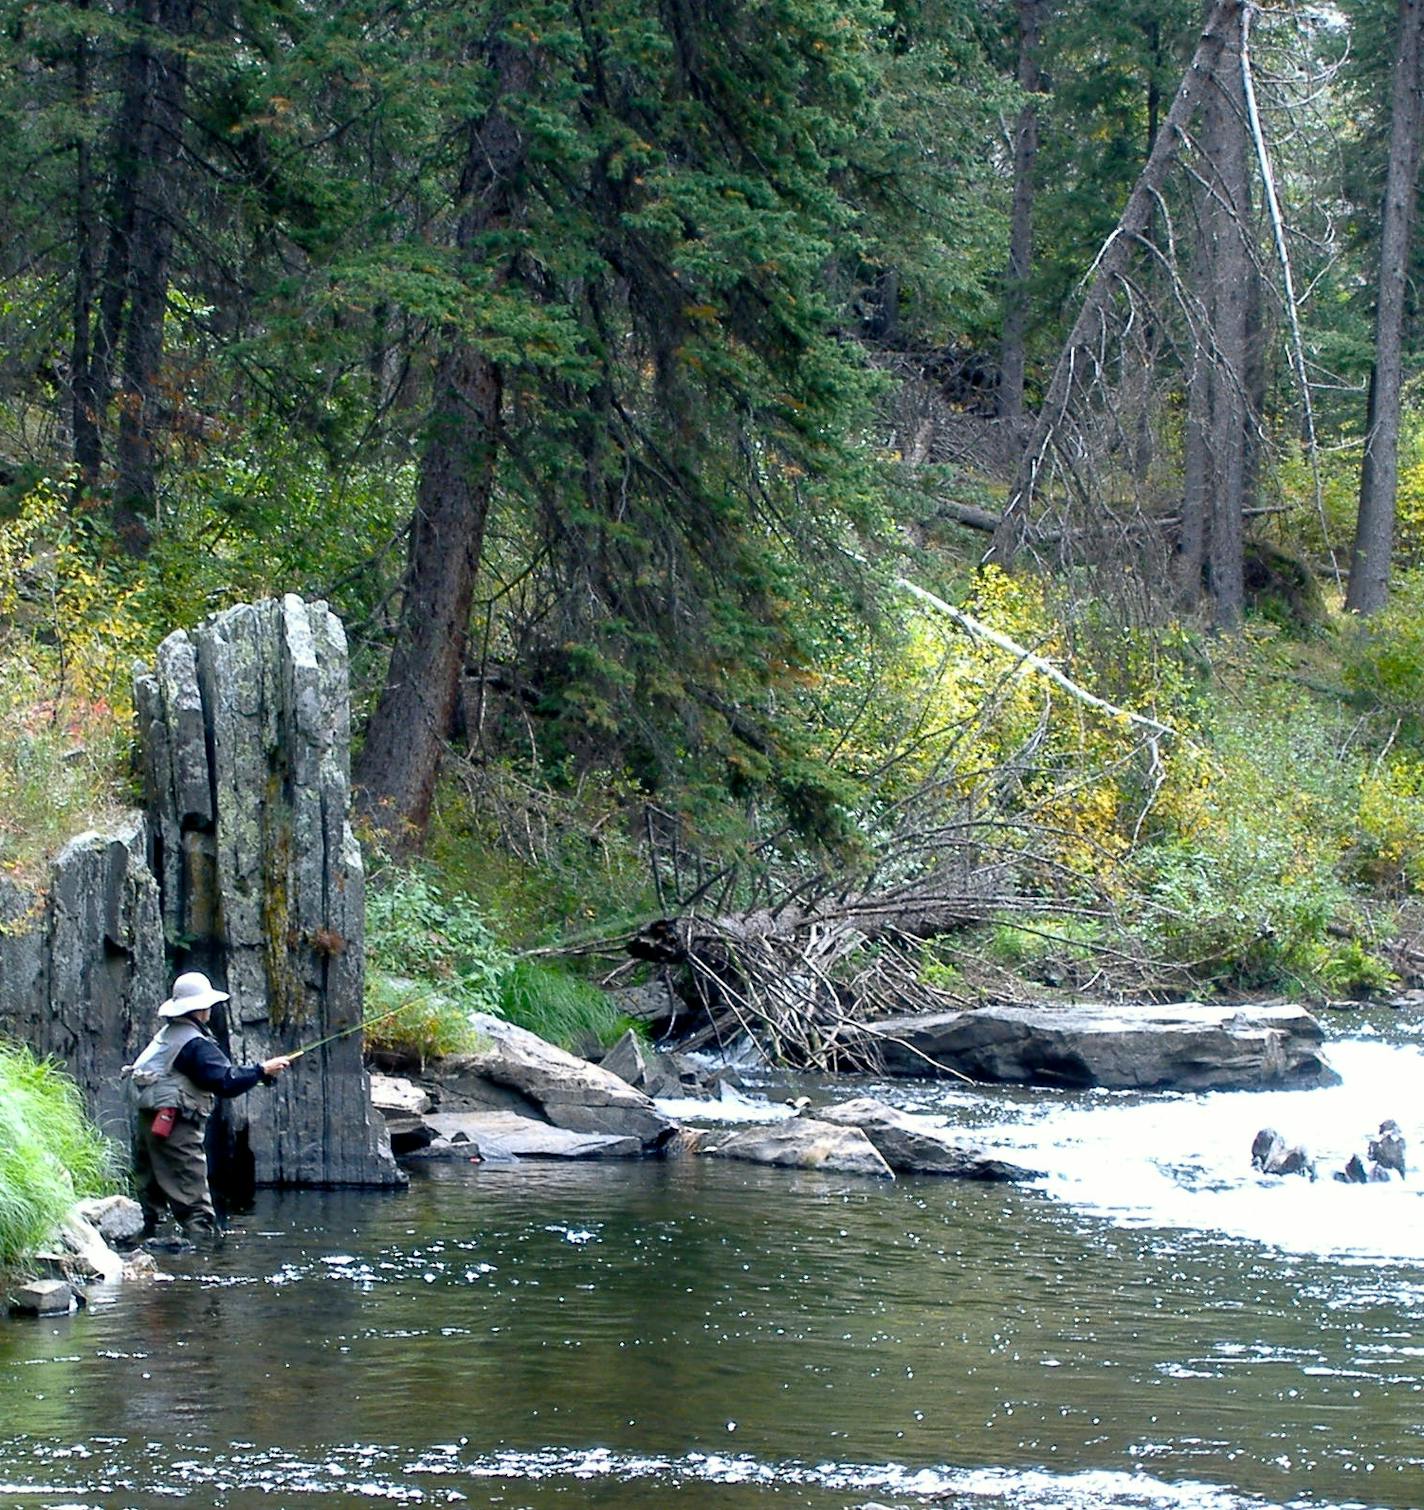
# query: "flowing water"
1149,1325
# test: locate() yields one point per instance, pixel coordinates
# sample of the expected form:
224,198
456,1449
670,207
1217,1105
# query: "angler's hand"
274,1067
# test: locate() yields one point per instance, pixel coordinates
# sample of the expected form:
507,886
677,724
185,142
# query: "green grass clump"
559,1006
50,1154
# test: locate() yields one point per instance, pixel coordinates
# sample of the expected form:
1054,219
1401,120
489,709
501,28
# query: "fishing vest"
158,1083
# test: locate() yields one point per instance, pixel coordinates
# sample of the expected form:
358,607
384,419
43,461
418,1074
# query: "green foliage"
50,1154
551,865
69,628
1384,655
1029,944
416,929
559,1007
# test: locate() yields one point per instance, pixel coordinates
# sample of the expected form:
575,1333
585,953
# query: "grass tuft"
50,1154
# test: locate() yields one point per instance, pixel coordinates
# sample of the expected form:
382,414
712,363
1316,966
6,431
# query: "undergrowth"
435,959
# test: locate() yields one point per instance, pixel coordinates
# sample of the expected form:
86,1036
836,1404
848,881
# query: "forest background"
944,480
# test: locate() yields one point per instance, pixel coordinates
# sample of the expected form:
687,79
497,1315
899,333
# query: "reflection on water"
1150,1326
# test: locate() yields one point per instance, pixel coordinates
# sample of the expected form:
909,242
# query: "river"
1149,1325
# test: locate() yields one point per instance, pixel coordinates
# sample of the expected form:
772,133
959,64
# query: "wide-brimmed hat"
191,993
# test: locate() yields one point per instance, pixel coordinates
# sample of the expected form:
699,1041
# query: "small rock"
43,1297
1354,1172
118,1220
88,1256
141,1265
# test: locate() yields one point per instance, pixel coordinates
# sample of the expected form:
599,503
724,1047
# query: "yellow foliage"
1389,849
79,624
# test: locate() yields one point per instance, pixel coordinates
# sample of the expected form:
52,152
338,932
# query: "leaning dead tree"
1081,355
1145,459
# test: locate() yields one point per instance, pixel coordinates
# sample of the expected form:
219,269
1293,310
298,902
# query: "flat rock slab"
914,1145
501,1136
1189,1046
395,1097
804,1143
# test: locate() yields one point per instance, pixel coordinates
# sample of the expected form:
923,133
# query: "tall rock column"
244,728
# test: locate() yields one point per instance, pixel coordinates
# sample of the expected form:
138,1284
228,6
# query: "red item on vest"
163,1121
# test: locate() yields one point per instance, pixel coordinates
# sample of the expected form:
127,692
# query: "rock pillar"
244,734
81,964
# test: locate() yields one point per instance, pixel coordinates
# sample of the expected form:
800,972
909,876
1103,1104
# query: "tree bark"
405,738
1229,228
1368,589
1012,360
1112,262
159,75
84,401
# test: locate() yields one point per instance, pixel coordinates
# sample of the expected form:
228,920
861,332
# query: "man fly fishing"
177,1080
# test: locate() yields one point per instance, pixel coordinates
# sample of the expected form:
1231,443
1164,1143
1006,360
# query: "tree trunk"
159,73
1229,228
1368,589
1112,262
406,735
1013,359
84,401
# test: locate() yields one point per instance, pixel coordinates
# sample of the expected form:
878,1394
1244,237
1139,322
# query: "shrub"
415,929
60,761
49,1152
423,1025
1384,655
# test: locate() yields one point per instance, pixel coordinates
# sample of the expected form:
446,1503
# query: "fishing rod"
366,1022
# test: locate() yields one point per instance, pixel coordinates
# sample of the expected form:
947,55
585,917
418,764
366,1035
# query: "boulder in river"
1271,1154
914,1145
244,729
654,1073
565,1091
1189,1046
804,1143
43,1297
1387,1150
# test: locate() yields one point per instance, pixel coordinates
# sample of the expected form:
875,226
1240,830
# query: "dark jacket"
205,1064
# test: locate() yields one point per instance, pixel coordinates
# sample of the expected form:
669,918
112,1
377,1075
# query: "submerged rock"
913,1145
804,1143
1189,1046
500,1136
